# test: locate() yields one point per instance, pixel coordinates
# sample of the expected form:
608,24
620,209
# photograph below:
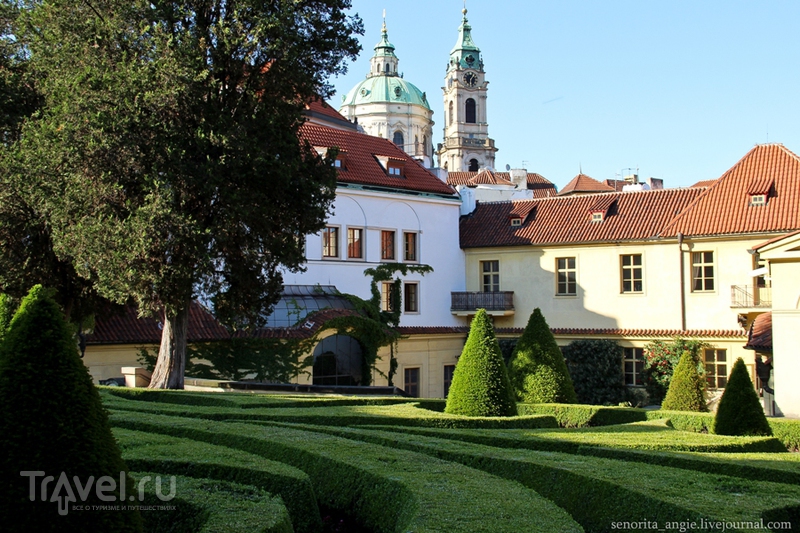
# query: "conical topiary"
739,411
480,385
686,389
53,424
537,370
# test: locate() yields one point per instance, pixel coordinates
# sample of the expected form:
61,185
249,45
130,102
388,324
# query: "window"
412,382
566,284
631,266
716,368
448,378
330,242
633,364
597,217
398,139
451,111
387,301
490,276
387,246
758,199
702,271
355,246
411,297
470,111
410,246
337,163
516,221
473,165
395,170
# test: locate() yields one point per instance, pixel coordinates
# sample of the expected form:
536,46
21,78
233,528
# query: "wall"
106,361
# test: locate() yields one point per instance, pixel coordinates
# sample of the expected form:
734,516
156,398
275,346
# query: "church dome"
385,89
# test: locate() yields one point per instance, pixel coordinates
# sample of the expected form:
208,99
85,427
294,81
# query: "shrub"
53,422
661,359
6,312
480,384
739,411
595,367
537,371
687,388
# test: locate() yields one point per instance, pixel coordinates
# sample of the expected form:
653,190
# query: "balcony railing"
491,301
747,296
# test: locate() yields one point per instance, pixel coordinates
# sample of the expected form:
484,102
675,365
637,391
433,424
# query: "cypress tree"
537,370
480,384
52,422
739,411
686,389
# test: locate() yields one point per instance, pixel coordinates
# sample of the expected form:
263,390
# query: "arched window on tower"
387,68
398,139
451,111
473,165
470,111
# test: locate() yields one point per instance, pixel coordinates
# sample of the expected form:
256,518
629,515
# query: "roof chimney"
519,177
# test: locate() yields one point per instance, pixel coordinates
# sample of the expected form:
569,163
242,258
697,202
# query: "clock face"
470,79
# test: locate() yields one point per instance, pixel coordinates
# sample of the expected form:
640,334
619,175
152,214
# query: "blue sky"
680,89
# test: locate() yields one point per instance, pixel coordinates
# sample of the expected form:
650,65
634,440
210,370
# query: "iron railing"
749,296
491,301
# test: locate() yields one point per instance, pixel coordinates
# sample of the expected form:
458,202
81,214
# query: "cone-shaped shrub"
480,384
537,370
686,389
739,411
51,422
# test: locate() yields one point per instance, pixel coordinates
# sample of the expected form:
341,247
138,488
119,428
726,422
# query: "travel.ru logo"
105,488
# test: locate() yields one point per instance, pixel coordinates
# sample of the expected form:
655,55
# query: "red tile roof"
487,177
322,107
704,183
128,328
775,239
617,185
615,332
760,335
584,184
541,186
631,216
361,166
725,207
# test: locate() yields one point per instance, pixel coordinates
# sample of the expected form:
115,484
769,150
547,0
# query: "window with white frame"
566,277
355,243
409,246
631,273
387,301
387,245
716,361
330,242
702,271
490,276
411,297
633,365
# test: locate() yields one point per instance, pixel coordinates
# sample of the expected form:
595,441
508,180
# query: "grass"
394,466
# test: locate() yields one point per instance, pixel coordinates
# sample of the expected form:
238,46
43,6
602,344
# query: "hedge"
739,411
213,506
387,489
595,367
687,388
183,457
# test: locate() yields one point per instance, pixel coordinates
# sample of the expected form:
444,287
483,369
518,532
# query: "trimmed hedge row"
788,431
599,492
213,506
388,489
184,457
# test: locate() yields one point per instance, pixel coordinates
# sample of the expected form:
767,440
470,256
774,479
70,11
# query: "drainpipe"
683,283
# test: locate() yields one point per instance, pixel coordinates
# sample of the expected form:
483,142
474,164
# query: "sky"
680,90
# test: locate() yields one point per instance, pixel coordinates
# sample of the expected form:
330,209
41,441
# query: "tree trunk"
168,373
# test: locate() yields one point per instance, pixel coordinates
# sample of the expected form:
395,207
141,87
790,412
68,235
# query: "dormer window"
337,163
758,199
516,221
395,170
597,217
340,161
391,165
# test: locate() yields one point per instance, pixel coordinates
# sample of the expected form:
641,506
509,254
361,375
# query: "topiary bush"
595,367
537,370
53,422
661,359
739,411
480,384
687,389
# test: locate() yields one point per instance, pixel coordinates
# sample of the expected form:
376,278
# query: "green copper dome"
385,89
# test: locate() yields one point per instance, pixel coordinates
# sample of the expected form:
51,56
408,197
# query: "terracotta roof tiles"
361,166
584,184
759,337
541,186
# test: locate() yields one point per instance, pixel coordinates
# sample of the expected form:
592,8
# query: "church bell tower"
466,146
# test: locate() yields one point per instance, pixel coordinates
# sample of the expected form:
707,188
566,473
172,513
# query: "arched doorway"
473,165
338,360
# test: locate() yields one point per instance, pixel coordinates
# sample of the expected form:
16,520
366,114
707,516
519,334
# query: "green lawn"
278,463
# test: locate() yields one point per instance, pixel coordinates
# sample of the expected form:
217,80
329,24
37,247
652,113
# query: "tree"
166,157
57,425
537,370
687,388
595,367
480,385
739,412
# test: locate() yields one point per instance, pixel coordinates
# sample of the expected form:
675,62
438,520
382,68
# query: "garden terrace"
393,464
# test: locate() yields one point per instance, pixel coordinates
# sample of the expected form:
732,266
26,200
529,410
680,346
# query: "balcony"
495,303
749,297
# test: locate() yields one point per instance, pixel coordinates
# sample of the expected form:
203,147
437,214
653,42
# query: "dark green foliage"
661,359
7,309
52,421
480,384
740,411
537,371
595,367
686,388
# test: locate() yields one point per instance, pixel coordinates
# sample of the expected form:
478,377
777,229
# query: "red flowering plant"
660,360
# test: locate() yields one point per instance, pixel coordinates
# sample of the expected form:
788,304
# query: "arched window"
470,111
473,165
337,361
451,111
398,139
387,68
